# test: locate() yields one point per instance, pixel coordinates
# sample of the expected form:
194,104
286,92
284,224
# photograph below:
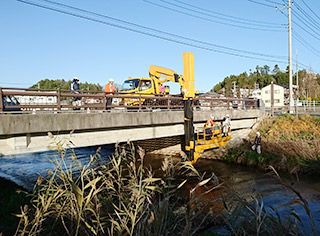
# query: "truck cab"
139,85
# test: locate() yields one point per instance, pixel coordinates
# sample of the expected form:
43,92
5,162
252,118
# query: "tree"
65,85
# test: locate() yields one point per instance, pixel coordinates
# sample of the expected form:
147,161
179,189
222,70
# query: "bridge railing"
27,100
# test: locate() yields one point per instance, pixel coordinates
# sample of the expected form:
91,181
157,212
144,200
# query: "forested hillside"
263,76
62,84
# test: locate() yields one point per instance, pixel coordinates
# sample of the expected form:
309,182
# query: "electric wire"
223,18
314,22
305,43
174,38
211,20
260,3
229,16
297,24
297,36
154,34
304,23
273,2
310,9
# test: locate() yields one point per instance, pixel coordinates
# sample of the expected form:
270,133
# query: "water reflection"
248,182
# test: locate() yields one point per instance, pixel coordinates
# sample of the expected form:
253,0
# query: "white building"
37,100
278,95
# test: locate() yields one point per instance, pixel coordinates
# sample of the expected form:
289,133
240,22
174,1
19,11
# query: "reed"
121,197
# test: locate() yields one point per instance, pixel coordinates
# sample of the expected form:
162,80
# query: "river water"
245,181
24,169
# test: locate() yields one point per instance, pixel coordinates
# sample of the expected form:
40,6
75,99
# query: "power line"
273,2
314,22
260,3
305,43
303,22
173,37
211,20
229,16
310,9
301,26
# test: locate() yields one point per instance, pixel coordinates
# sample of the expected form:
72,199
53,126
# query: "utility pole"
297,69
291,102
234,89
272,99
297,78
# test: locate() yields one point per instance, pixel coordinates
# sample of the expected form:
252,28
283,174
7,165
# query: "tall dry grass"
121,197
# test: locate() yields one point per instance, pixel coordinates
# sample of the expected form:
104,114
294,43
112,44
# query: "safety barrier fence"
29,100
300,107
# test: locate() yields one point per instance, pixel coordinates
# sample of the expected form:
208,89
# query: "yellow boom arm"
186,82
165,74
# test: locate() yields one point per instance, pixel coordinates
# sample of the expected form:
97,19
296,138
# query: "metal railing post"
140,108
105,102
1,101
59,99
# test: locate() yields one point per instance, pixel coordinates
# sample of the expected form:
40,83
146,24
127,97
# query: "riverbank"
290,144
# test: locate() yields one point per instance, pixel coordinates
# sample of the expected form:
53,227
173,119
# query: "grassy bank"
289,143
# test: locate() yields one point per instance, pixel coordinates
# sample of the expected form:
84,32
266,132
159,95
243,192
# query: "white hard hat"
111,80
258,133
75,78
212,117
227,115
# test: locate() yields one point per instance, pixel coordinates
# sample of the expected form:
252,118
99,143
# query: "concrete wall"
28,133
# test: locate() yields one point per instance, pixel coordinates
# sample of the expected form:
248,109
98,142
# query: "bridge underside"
150,145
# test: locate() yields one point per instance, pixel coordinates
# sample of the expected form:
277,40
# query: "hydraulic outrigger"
194,148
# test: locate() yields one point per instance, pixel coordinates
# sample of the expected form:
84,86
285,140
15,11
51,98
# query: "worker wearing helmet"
74,87
226,125
109,89
208,128
210,122
257,143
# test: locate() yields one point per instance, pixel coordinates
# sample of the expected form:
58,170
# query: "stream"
245,181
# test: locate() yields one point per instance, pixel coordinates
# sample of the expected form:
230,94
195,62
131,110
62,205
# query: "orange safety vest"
210,123
109,88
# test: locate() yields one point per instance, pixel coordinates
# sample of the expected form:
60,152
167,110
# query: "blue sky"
38,43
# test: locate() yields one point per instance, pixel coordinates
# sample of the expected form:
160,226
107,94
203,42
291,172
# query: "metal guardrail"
302,107
63,100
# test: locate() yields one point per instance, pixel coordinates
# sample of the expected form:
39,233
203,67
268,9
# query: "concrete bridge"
28,133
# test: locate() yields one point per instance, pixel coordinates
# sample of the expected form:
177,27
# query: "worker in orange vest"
208,128
109,89
210,122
